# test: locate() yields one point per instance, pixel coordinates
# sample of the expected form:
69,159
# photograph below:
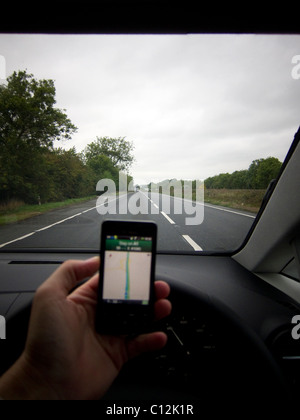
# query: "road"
78,227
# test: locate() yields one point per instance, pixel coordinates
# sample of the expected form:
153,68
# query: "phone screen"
127,269
126,280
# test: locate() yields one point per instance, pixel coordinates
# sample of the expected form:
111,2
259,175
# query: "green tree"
237,180
257,176
118,150
262,171
67,176
29,124
101,167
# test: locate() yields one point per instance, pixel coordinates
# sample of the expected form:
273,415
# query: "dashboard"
229,333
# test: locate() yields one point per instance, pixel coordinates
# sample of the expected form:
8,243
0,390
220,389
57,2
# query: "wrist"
23,382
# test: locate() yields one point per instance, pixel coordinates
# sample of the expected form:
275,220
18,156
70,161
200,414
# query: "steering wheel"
213,358
234,364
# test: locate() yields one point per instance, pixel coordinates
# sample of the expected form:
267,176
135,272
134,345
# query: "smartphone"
126,277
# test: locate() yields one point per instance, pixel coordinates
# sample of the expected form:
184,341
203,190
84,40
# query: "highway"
78,227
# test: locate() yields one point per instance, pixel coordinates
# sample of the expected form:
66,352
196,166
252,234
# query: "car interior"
230,331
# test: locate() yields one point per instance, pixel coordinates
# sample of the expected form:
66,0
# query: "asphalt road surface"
78,227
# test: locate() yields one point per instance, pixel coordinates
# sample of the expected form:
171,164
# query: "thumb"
146,343
68,275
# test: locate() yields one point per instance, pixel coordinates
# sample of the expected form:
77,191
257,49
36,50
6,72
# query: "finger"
69,274
87,292
146,343
162,289
91,285
162,308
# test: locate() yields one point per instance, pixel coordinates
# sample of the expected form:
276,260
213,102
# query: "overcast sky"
193,105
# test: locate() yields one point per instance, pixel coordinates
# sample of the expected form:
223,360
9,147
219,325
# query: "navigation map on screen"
127,269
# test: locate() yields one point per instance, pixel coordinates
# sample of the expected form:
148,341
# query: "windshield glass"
184,130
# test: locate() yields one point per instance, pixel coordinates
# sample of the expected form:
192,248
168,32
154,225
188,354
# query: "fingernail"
93,259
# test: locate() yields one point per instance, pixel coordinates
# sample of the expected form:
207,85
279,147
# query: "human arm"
64,357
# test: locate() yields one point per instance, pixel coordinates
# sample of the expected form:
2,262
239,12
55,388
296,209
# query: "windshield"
184,130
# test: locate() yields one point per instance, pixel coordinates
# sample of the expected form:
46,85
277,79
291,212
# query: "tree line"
31,169
258,176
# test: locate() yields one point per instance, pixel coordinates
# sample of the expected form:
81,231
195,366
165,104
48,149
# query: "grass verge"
16,211
248,200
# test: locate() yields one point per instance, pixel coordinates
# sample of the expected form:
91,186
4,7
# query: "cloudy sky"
193,105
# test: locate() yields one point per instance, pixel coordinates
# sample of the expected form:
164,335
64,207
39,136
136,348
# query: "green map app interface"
127,269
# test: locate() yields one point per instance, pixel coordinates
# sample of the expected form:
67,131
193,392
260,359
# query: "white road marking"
18,239
228,210
50,226
168,218
85,211
192,243
58,223
151,201
45,228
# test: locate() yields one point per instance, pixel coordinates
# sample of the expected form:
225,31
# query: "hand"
64,357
